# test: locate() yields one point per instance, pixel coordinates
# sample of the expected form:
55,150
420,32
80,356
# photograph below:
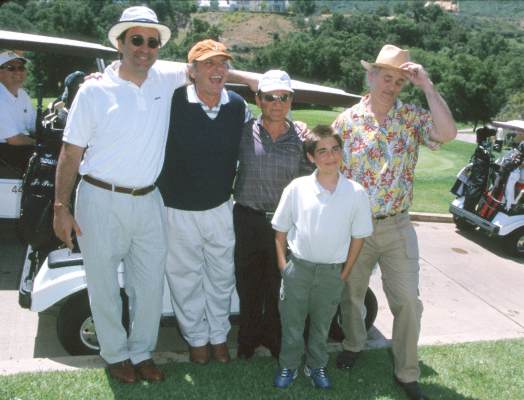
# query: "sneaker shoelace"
286,372
321,372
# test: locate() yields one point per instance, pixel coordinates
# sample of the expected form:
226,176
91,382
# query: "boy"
324,218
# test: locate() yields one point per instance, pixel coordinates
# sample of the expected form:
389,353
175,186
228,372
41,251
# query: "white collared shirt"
320,223
17,114
212,112
124,126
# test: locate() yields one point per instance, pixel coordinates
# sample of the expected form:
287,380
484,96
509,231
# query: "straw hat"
138,16
389,57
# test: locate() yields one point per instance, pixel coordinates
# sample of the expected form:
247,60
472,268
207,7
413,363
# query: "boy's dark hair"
318,133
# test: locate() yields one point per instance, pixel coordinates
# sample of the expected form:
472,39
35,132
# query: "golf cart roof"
30,42
305,93
515,124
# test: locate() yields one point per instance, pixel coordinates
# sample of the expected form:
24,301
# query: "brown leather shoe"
122,371
148,371
199,354
221,352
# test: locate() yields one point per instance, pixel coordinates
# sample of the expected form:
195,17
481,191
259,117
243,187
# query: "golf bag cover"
511,160
38,187
478,178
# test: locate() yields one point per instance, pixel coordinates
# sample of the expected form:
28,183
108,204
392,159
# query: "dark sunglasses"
274,97
137,41
11,68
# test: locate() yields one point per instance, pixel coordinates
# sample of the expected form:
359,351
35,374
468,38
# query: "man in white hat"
119,124
17,115
271,156
381,143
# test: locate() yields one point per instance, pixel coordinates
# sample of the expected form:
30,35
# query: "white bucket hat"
275,79
138,16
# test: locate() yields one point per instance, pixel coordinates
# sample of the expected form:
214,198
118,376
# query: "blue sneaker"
318,376
285,377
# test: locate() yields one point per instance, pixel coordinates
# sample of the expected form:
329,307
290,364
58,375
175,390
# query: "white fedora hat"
138,16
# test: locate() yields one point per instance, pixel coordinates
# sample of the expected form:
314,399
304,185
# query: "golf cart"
490,189
53,276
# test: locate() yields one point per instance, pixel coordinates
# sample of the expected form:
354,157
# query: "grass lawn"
435,174
484,370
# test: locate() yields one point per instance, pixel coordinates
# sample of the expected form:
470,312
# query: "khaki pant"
394,247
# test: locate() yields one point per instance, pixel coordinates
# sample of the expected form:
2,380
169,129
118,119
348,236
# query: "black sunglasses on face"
12,68
274,97
137,41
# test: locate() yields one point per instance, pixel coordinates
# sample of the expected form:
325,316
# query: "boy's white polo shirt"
17,114
320,224
124,126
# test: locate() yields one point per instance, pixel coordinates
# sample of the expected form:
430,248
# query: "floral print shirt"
382,158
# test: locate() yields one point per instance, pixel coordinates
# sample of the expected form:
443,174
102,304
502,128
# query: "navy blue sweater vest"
201,153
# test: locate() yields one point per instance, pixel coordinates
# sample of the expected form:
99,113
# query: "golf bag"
479,173
38,187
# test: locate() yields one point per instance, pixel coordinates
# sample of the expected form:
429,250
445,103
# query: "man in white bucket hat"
119,124
381,142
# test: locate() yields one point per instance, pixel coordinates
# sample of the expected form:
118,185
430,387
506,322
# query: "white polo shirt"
17,114
320,224
124,126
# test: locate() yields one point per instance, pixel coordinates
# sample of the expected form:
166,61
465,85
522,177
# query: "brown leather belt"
379,217
104,185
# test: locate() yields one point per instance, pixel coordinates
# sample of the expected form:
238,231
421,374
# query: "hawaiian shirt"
382,158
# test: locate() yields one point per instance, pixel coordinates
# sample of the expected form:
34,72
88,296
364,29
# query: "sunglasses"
11,68
273,97
152,43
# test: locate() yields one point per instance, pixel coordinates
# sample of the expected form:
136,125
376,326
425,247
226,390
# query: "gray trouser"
394,246
116,227
314,289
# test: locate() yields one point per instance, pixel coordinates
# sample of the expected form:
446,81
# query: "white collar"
192,96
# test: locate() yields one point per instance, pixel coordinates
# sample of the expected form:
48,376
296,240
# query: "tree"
304,7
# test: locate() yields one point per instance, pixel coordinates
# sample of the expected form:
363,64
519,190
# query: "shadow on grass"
371,378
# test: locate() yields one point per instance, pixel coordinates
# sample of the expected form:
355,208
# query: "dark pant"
258,279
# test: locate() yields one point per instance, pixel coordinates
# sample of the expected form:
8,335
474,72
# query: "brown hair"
318,133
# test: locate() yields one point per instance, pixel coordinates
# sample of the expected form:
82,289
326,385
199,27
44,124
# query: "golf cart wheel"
75,327
371,309
462,224
514,243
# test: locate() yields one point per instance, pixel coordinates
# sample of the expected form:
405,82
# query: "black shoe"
245,352
412,390
346,359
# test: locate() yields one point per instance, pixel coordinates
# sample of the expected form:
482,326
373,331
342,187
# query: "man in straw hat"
119,125
381,142
196,184
17,115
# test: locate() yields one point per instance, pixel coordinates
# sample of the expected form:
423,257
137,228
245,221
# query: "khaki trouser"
394,246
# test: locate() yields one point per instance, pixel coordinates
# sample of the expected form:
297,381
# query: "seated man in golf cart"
17,115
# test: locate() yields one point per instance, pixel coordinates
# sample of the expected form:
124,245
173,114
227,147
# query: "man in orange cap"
381,143
196,184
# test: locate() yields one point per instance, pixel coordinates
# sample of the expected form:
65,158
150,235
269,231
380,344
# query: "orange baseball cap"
206,49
